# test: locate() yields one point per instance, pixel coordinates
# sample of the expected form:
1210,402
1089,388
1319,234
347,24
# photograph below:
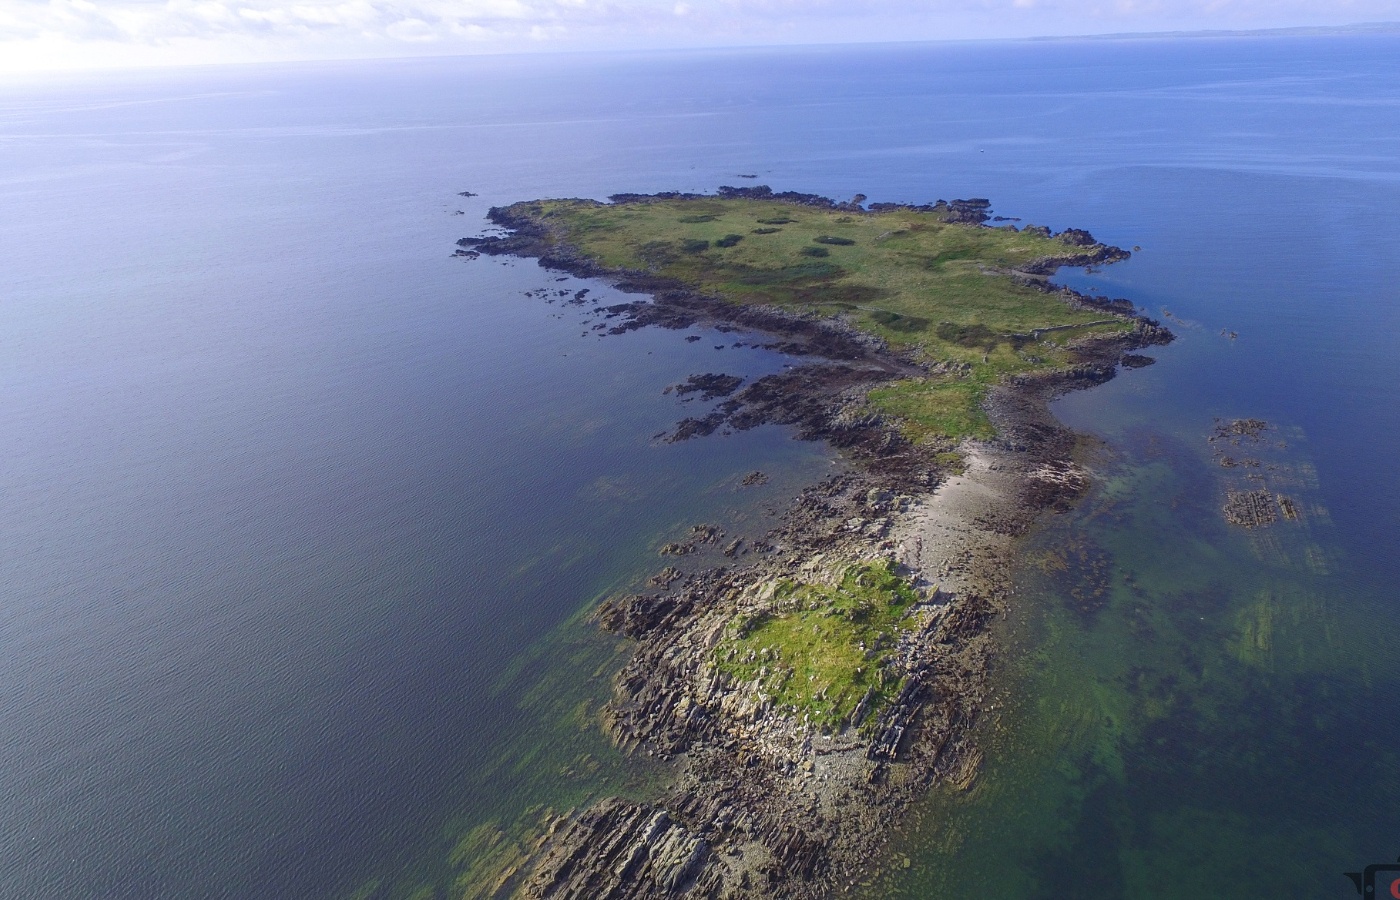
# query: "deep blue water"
287,489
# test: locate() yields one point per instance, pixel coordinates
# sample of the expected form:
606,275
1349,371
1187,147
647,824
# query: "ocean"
303,516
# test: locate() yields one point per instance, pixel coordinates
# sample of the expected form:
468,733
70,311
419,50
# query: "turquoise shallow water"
300,512
1184,709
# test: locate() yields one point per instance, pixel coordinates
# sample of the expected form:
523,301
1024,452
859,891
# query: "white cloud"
414,30
63,33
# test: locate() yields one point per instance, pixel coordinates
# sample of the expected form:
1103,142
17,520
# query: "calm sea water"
300,513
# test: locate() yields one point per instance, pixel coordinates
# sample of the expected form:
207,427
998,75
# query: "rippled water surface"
300,514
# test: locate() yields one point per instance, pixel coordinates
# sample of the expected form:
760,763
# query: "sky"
43,35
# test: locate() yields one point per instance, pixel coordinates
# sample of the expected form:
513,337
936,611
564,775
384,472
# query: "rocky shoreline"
769,802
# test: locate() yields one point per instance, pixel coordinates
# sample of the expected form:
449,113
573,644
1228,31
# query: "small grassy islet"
941,290
823,648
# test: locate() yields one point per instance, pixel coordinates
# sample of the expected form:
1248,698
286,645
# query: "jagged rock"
636,615
665,578
1077,237
1250,509
620,851
709,386
706,534
1237,431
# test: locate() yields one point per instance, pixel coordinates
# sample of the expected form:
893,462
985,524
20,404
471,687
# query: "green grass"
824,648
942,291
933,407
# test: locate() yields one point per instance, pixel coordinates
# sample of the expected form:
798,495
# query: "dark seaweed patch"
937,262
844,294
801,273
976,336
897,322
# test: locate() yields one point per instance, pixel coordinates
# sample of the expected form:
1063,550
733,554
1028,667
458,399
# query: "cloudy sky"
61,34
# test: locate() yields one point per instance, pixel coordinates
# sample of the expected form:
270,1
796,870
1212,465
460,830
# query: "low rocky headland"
811,682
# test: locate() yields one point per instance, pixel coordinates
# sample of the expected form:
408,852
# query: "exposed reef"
1250,499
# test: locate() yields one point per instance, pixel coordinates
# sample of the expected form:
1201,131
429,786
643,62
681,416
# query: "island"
812,682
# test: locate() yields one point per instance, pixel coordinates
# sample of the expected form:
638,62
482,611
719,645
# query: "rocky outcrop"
622,851
709,386
787,810
1098,254
821,401
768,802
1250,509
1250,501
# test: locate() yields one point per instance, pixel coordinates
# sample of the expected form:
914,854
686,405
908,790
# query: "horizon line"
1356,29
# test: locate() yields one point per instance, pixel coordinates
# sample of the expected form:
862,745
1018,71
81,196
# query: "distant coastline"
812,682
1359,28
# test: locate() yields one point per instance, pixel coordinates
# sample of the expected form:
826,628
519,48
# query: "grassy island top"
824,651
952,293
